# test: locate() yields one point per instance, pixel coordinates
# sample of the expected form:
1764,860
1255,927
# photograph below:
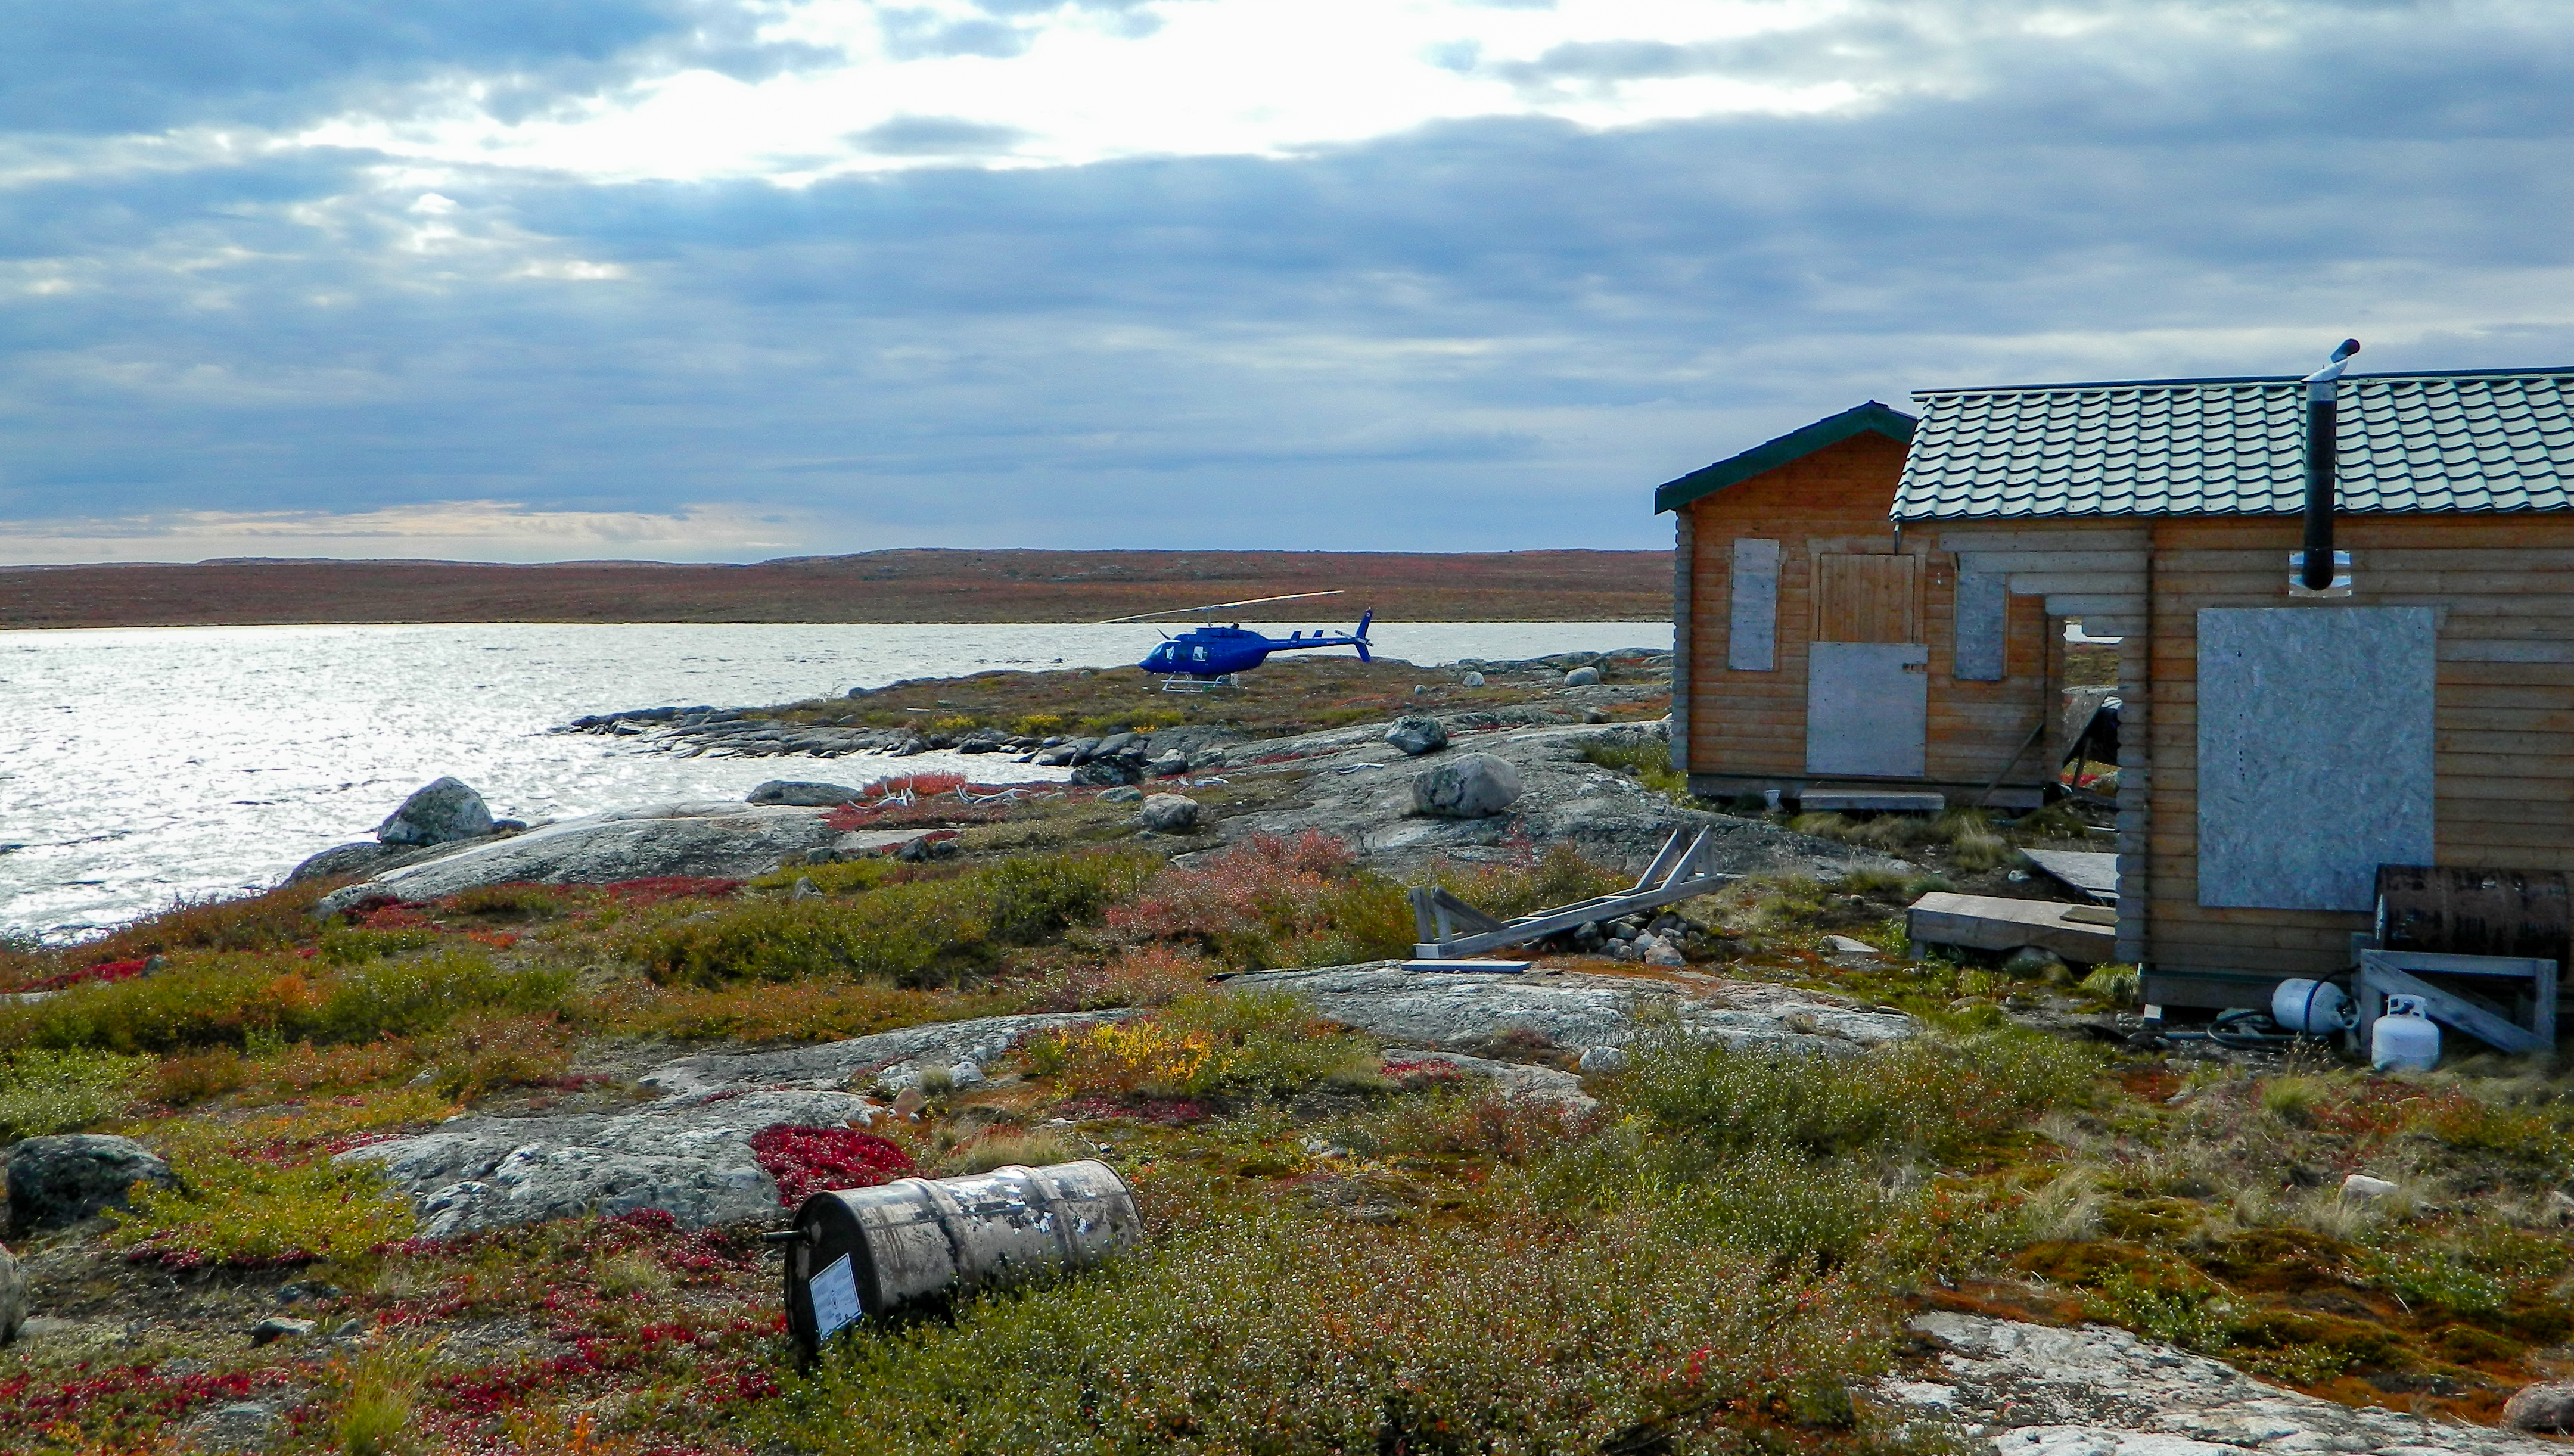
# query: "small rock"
1623,931
806,890
1470,679
348,1329
302,1289
339,859
2362,1188
440,814
1126,793
1624,951
908,1102
1115,743
1581,678
1419,687
2560,1207
1170,766
13,1296
1595,715
966,1073
1168,813
1466,786
278,1327
57,1182
1416,735
1845,945
2032,960
925,848
1601,1060
1106,771
801,794
242,1425
2547,1407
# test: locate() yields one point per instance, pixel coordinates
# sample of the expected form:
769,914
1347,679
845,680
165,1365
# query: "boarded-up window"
1751,643
2315,741
1866,599
1982,626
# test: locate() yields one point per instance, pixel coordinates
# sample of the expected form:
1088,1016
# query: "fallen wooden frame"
2392,973
1677,874
2084,933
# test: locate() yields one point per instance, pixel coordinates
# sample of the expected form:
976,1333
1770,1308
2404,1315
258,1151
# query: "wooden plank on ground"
1989,922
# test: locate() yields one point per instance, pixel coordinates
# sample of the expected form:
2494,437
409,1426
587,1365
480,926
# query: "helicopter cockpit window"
1201,654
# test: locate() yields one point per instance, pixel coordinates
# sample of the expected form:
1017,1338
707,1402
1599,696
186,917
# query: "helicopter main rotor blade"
1216,607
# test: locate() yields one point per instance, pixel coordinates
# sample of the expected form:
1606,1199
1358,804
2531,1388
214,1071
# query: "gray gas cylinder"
859,1252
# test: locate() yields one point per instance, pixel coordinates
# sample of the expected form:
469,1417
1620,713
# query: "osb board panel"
1752,621
1981,627
1866,709
2290,700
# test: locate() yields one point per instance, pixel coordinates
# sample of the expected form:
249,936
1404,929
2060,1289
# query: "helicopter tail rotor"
1360,635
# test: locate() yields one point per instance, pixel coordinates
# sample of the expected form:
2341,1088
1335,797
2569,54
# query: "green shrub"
1560,877
915,932
239,1000
238,1212
1263,1332
1940,1094
48,1091
350,944
1254,1043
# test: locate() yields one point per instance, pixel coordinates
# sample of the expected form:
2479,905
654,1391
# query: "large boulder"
1417,734
1467,786
440,814
717,840
1581,678
802,794
1169,813
2547,1407
1112,772
58,1181
13,1297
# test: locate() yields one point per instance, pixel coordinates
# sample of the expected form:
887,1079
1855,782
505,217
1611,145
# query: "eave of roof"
1699,484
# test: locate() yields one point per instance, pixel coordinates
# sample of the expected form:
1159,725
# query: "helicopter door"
1868,683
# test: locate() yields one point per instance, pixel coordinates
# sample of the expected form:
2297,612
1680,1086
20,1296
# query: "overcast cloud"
694,279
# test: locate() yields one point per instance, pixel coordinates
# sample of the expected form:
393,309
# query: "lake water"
142,764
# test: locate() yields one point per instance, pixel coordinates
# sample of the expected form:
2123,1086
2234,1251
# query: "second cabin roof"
1795,444
2448,442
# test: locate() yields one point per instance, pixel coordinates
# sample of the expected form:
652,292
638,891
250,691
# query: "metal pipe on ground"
857,1253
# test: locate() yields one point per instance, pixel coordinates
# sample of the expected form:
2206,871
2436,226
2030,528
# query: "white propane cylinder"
2312,1007
2404,1040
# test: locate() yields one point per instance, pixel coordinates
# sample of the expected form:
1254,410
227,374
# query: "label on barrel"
834,1292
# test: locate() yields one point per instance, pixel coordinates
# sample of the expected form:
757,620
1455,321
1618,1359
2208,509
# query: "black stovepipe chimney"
2323,421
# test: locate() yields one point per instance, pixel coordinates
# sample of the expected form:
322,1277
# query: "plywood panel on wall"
1867,598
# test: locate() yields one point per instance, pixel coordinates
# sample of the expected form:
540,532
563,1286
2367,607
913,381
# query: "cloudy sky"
735,278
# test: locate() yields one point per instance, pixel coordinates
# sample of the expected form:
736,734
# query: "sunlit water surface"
142,764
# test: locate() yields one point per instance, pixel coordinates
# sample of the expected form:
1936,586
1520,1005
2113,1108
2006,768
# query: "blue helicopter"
1208,656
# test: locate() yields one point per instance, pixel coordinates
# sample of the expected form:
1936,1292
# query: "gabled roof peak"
1832,430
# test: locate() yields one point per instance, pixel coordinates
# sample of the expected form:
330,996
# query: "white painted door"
1867,708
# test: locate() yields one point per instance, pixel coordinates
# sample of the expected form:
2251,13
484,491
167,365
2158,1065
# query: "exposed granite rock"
718,838
13,1297
1466,786
2027,1390
1470,1009
686,1157
1518,1081
2547,1406
802,794
1356,791
890,1056
1169,813
57,1182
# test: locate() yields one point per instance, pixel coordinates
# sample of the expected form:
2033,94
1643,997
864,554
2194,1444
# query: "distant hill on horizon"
920,584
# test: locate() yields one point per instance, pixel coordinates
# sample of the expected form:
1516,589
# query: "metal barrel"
2466,911
860,1252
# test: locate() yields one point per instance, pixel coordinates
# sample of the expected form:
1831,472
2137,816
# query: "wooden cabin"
1825,652
2278,745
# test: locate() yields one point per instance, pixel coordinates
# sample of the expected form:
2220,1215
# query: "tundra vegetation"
1346,1251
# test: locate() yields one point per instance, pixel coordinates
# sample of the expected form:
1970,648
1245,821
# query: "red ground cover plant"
809,1160
105,971
394,915
118,1402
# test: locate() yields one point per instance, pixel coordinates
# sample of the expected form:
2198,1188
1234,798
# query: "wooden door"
1868,683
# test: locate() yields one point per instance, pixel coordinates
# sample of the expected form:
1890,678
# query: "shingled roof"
1795,444
2457,442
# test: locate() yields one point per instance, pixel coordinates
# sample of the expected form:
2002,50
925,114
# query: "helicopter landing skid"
1202,685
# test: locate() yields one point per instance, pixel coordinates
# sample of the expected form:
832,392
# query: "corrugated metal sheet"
2408,442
